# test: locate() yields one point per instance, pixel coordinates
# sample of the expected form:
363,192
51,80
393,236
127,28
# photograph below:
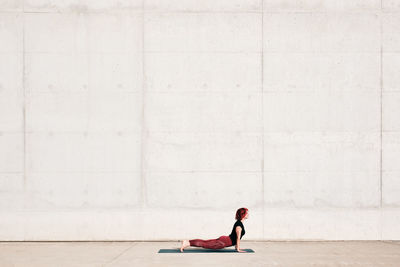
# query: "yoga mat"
205,250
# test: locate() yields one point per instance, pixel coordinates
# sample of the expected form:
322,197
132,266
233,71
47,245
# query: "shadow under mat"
204,250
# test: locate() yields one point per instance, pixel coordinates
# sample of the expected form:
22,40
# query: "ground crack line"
119,255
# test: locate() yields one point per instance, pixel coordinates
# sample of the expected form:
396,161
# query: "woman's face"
247,215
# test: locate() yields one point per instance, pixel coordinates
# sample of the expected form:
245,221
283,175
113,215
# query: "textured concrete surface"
296,254
135,119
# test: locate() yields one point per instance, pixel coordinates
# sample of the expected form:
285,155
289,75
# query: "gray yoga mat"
204,250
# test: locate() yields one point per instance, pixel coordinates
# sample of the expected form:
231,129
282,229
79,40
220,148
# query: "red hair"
240,213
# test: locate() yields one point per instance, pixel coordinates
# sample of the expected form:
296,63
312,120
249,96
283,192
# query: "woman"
223,241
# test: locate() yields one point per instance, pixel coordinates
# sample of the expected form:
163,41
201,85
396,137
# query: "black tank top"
233,235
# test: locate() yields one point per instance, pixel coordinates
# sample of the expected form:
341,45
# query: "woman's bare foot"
185,244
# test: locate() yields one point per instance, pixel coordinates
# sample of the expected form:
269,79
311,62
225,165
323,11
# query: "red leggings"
221,242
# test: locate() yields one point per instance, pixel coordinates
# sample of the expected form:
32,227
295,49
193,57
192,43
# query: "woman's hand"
239,250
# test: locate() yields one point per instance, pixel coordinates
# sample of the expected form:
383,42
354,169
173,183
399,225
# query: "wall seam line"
24,113
262,117
23,95
381,115
143,199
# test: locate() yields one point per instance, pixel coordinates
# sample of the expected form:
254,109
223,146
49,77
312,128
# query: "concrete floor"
298,253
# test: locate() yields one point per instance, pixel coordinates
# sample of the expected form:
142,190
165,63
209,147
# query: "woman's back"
233,234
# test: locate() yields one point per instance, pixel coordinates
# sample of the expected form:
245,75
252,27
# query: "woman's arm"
238,234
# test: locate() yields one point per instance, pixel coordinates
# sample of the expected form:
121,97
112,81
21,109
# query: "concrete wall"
156,120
